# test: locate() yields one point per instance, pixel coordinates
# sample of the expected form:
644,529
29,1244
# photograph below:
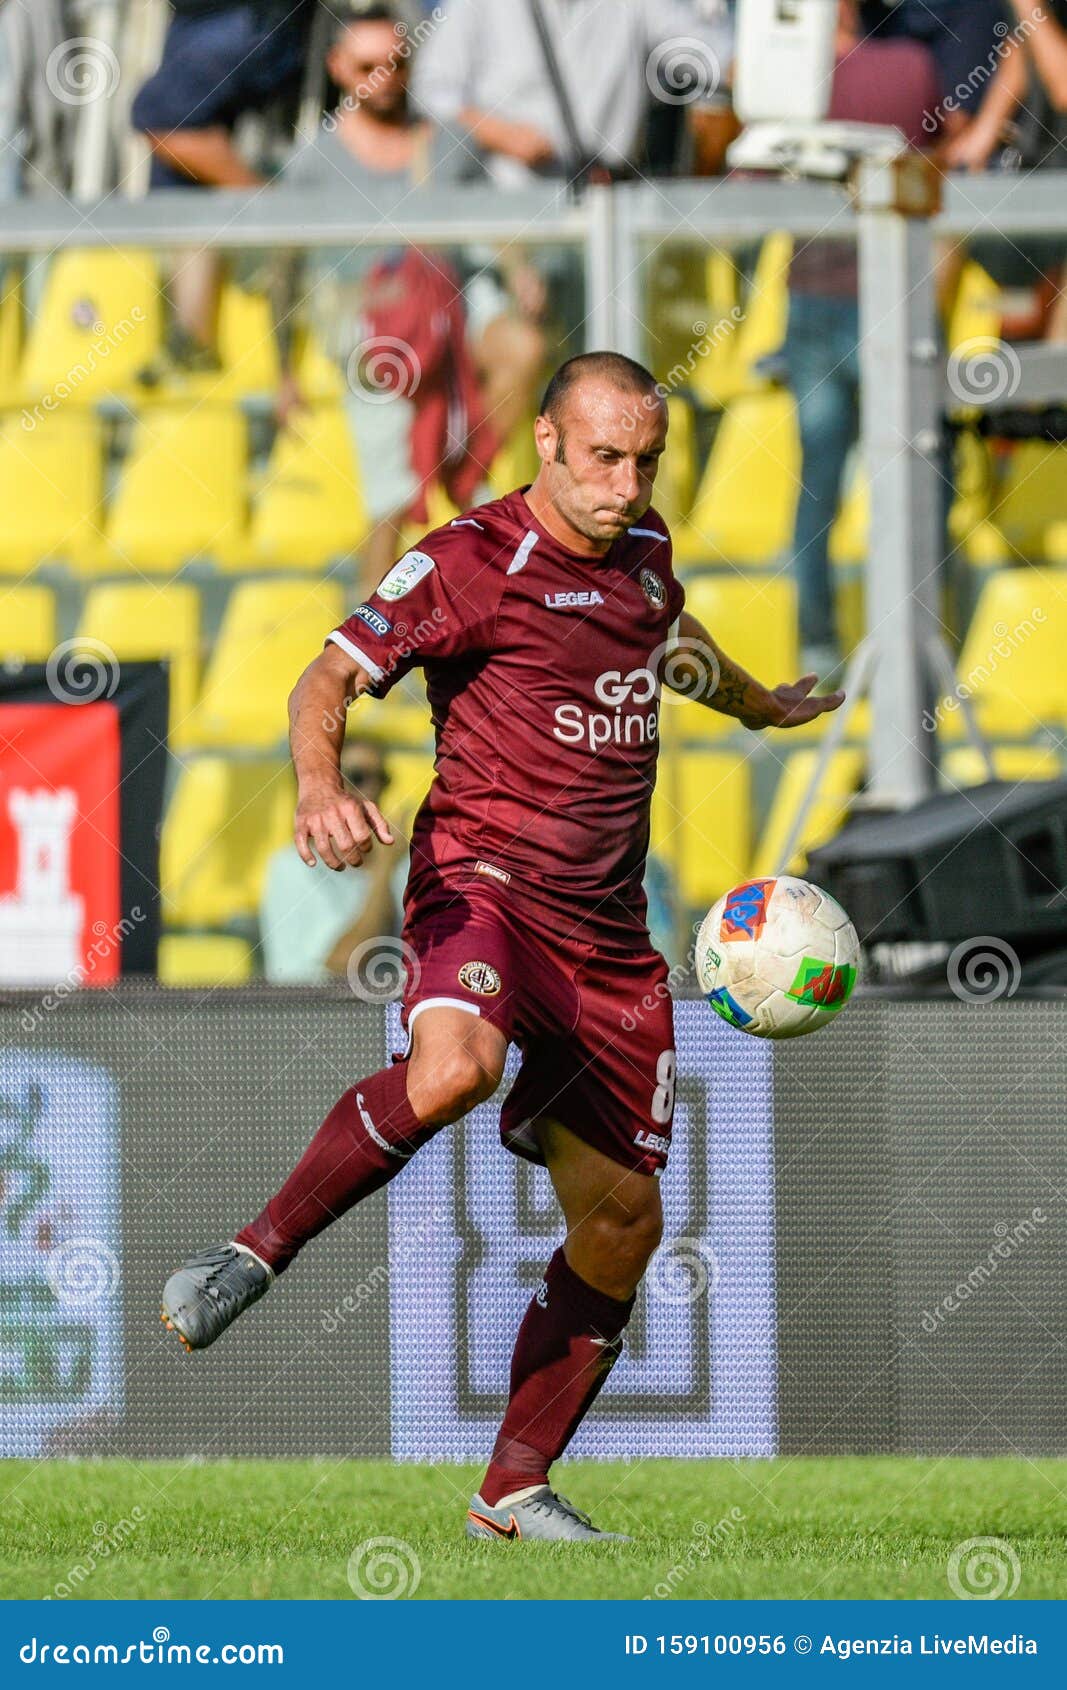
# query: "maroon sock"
568,1343
368,1136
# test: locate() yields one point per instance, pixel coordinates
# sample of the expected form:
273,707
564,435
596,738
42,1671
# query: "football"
777,958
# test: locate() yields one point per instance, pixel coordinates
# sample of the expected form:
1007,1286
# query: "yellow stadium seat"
51,488
754,620
964,767
320,379
1032,507
312,508
140,621
10,332
701,821
745,507
1012,663
742,330
401,719
270,632
976,312
182,491
27,623
843,775
201,960
676,480
516,462
222,825
410,774
99,323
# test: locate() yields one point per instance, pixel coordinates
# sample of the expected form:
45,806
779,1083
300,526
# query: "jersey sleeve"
437,601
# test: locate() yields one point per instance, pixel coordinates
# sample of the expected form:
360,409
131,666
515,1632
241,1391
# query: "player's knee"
626,1238
446,1089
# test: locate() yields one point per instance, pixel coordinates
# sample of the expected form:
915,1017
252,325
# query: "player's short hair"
349,12
624,373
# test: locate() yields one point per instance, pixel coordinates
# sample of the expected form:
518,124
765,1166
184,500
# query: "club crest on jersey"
405,574
573,600
653,588
480,978
745,910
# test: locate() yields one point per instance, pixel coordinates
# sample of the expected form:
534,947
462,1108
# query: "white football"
777,958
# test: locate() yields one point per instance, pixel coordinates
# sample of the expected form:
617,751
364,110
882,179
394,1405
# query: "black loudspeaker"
991,859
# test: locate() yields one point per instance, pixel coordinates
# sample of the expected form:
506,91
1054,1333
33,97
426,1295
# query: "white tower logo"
41,921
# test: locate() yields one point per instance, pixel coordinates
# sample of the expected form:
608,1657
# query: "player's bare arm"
714,679
329,819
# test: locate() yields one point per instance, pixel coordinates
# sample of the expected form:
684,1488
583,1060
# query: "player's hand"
791,705
530,145
340,827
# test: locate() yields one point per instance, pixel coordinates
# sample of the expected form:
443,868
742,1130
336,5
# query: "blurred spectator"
312,919
875,81
31,115
375,144
962,36
1022,125
221,61
485,68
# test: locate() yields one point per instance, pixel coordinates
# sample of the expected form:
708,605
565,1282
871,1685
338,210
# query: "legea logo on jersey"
577,600
405,574
627,719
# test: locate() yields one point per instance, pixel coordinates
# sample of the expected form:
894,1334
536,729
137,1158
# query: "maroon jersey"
542,674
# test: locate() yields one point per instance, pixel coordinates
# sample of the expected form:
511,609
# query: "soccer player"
545,623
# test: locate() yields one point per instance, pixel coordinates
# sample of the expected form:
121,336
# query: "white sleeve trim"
672,631
354,652
436,1003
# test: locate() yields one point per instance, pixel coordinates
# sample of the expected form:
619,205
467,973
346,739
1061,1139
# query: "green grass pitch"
845,1527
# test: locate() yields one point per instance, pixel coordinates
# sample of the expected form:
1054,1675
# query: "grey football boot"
209,1291
540,1517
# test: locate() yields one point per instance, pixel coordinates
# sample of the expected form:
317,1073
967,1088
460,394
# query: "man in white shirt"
483,70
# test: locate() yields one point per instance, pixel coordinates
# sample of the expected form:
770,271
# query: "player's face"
370,65
599,469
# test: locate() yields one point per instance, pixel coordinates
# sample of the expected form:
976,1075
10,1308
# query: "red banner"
60,906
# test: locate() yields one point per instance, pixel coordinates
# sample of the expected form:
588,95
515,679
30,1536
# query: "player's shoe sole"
542,1517
207,1293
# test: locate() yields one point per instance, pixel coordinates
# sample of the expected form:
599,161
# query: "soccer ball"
777,958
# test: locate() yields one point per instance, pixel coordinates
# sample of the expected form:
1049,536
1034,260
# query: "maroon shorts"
593,1019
